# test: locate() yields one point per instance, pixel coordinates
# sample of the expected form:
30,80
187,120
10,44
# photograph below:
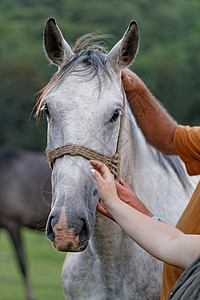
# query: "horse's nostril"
84,233
95,192
70,245
49,230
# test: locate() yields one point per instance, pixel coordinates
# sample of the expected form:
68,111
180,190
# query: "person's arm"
156,124
163,241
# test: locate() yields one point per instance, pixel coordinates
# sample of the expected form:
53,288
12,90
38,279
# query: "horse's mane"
175,163
93,58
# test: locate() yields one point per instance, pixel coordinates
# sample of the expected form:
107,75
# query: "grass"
44,266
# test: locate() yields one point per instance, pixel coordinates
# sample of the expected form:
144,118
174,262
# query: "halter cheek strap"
112,162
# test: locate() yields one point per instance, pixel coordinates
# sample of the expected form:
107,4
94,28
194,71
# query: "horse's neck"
110,245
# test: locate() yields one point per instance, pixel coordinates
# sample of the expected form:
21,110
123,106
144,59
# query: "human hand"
106,184
108,192
129,80
126,194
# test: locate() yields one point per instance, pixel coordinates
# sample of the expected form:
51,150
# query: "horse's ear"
57,49
123,53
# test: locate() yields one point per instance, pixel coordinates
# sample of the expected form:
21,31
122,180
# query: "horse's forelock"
95,64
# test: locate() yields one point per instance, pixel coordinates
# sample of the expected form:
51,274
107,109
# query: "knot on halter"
112,162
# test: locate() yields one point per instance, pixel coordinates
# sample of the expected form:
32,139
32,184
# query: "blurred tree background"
168,60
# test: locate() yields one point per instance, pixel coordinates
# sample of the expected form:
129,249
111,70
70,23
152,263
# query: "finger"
96,163
123,73
128,79
120,182
97,176
105,172
126,186
119,186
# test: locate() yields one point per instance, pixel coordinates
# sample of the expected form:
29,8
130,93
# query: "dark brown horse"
25,197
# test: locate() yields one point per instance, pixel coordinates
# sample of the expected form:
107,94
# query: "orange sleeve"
189,224
187,144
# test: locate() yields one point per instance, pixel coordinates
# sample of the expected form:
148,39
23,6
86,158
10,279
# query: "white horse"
84,103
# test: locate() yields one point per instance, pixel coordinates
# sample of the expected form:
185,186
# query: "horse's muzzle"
65,238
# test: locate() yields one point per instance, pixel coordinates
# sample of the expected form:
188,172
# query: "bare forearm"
161,240
156,124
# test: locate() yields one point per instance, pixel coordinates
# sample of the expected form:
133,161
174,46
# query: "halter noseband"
112,162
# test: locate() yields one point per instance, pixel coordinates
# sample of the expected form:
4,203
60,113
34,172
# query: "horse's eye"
45,109
115,116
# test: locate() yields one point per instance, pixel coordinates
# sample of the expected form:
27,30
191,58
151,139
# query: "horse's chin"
70,247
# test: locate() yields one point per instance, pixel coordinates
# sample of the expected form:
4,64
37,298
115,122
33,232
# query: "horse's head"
83,103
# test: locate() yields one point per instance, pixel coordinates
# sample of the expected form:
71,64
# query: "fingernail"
93,171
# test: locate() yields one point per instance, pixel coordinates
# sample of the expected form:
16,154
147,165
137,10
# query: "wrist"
112,204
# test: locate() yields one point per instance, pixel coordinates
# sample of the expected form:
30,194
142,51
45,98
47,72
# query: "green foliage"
168,60
19,82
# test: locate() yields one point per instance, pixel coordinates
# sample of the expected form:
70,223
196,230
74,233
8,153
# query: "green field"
44,264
